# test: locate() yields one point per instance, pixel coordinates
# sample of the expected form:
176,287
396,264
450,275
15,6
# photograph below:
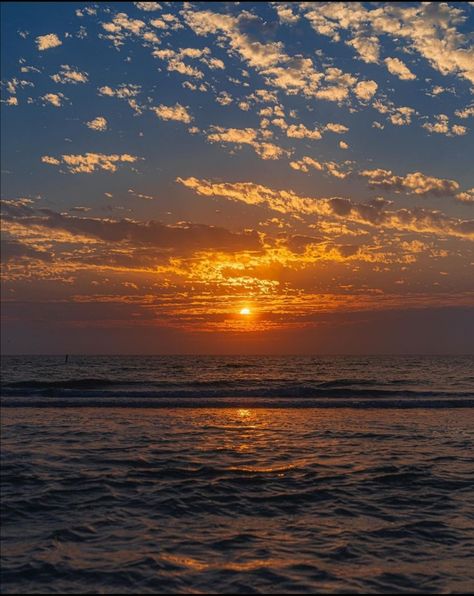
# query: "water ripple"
237,501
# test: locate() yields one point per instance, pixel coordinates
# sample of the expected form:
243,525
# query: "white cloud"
177,112
99,124
399,69
148,6
294,74
45,42
90,162
465,112
123,91
466,196
365,90
50,160
441,126
299,131
368,48
414,183
55,99
398,115
328,167
68,75
224,98
372,214
245,136
429,28
335,127
285,13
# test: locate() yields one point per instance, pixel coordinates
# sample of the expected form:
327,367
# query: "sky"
166,165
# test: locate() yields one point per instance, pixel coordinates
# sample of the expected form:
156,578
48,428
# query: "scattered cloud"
397,115
466,112
365,90
67,74
441,126
99,124
55,99
148,6
414,183
90,162
177,113
373,213
245,136
183,237
399,69
329,167
466,196
45,42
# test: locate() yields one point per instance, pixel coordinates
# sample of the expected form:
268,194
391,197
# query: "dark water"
237,499
140,380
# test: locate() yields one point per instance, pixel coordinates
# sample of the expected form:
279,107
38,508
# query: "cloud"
90,162
398,115
294,74
175,60
233,135
122,28
414,183
148,6
429,28
285,13
365,90
123,91
68,75
224,98
50,160
299,131
368,48
177,113
99,124
181,238
13,249
269,150
328,167
373,213
55,99
139,195
441,126
45,42
335,127
122,23
465,112
245,136
399,69
466,196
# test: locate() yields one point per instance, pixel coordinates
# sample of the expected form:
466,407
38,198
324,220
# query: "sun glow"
245,311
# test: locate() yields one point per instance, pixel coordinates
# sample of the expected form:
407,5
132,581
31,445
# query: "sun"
245,311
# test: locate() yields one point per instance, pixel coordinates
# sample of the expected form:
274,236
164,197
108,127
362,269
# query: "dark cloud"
12,249
183,238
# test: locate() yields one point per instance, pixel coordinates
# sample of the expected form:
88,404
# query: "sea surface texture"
234,499
174,380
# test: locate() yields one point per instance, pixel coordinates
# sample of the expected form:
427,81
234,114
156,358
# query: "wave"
114,401
215,388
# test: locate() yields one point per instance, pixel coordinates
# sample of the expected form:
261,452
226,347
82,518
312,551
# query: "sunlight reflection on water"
236,500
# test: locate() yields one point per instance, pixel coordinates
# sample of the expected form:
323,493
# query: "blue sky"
306,159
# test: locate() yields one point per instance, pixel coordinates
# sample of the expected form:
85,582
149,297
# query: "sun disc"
245,311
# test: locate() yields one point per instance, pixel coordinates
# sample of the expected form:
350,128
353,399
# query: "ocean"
193,474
